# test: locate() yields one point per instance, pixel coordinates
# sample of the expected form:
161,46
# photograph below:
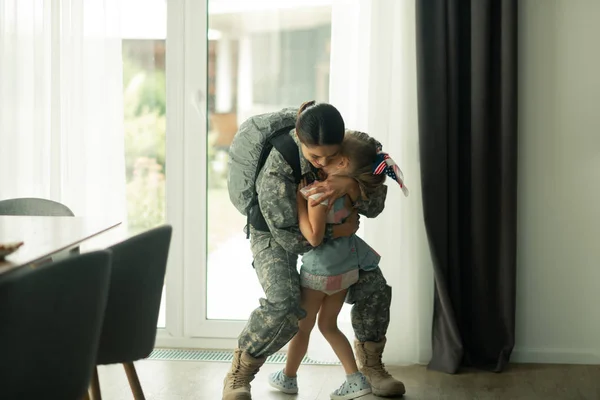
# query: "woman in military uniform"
319,132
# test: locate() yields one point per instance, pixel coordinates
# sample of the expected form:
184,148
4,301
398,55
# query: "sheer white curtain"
373,83
61,107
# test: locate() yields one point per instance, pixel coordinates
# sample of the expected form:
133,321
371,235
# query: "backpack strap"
288,148
285,144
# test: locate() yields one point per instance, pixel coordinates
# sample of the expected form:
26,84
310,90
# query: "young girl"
329,270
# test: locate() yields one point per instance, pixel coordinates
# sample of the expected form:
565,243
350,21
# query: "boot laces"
242,376
238,379
379,367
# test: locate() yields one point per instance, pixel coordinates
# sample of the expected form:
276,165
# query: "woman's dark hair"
319,124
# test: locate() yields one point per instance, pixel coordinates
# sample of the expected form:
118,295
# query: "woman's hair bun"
305,105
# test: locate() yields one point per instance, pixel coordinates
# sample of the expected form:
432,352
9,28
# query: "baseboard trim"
165,341
519,355
222,356
195,343
556,356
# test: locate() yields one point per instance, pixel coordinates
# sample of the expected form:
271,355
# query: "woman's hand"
349,227
333,188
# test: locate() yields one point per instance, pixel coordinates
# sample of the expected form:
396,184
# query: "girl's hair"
361,150
319,124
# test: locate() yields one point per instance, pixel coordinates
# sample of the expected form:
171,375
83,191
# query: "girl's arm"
311,220
337,186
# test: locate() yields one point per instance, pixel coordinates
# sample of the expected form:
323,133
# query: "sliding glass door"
261,56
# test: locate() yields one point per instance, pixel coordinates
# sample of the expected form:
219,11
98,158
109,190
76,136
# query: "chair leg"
134,382
96,394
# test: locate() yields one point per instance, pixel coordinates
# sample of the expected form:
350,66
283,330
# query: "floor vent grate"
220,356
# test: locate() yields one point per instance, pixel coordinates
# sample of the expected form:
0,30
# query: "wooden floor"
179,380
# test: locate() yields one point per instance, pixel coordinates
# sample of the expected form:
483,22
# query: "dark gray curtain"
467,87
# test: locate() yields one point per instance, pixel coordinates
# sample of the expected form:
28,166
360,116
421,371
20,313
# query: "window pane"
263,56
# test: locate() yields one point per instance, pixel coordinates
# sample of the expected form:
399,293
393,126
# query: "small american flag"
385,164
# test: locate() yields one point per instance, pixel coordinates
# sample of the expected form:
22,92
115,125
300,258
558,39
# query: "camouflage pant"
275,322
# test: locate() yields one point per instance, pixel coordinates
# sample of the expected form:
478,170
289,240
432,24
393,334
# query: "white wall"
558,295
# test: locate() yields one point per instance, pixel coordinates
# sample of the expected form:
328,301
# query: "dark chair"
50,321
129,330
34,207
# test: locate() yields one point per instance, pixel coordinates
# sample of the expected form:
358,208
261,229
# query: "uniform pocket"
259,243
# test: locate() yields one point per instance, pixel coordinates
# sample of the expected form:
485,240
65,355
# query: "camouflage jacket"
277,200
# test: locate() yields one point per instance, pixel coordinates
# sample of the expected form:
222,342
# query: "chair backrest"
50,321
34,207
138,273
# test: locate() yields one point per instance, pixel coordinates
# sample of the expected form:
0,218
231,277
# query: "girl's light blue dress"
334,265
